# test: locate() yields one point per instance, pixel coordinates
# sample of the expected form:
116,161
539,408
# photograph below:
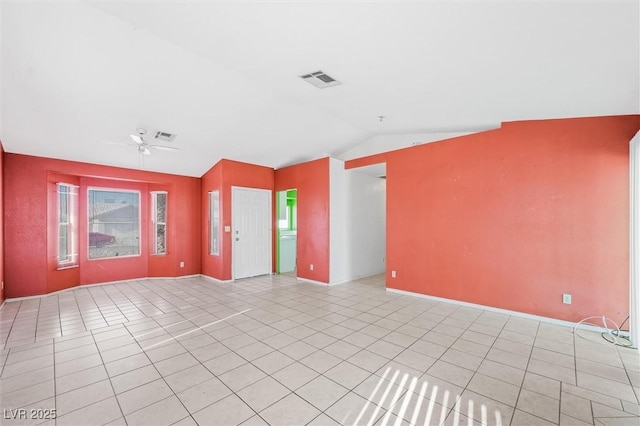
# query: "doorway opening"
365,232
286,231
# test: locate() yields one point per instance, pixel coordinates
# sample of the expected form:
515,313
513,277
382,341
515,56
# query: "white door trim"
634,240
233,229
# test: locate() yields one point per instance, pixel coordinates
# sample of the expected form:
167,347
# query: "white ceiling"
223,76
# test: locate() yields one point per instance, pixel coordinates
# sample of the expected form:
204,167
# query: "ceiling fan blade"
164,148
137,139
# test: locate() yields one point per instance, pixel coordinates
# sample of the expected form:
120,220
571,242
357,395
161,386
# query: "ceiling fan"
142,144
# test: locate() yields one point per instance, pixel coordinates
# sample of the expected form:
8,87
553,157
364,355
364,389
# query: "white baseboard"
215,280
306,280
331,284
359,277
39,296
497,310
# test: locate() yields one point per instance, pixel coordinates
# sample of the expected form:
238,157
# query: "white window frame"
139,236
214,223
156,222
71,258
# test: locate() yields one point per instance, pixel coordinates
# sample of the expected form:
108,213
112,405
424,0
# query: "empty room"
320,213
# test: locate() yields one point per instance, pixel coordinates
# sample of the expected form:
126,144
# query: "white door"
251,224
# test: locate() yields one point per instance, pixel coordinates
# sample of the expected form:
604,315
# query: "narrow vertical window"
159,220
214,223
67,225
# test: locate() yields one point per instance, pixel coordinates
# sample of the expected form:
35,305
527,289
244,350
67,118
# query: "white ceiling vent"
320,79
164,136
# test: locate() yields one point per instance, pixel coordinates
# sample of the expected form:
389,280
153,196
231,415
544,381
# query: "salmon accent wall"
222,176
30,225
515,217
1,223
311,179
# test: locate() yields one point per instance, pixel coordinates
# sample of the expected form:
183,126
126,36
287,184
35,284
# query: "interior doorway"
286,231
251,227
365,232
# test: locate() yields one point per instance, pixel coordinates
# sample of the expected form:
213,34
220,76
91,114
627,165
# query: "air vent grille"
320,80
164,136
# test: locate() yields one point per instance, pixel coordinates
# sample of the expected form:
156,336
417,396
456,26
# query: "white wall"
338,207
634,241
389,142
357,221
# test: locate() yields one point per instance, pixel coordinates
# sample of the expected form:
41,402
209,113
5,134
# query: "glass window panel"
114,228
161,241
161,207
214,220
67,225
63,243
63,197
159,219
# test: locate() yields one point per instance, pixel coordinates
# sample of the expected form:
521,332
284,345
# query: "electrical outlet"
566,299
311,267
393,274
182,264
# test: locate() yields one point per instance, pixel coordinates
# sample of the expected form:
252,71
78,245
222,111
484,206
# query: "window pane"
63,243
63,198
161,247
67,221
159,222
161,207
114,228
214,219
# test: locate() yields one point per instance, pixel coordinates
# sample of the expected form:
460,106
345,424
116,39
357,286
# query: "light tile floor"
273,350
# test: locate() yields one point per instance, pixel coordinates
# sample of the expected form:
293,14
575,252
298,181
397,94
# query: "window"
67,225
159,221
114,223
214,222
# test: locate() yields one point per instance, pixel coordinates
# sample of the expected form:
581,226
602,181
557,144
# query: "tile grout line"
55,383
319,301
169,386
483,358
115,395
533,345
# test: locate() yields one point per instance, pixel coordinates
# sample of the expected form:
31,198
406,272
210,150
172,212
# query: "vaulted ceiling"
224,76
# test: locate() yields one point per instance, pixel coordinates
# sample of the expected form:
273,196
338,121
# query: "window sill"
113,257
65,267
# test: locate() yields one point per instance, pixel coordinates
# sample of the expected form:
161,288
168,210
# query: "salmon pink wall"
1,224
515,217
222,177
29,215
212,266
311,179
